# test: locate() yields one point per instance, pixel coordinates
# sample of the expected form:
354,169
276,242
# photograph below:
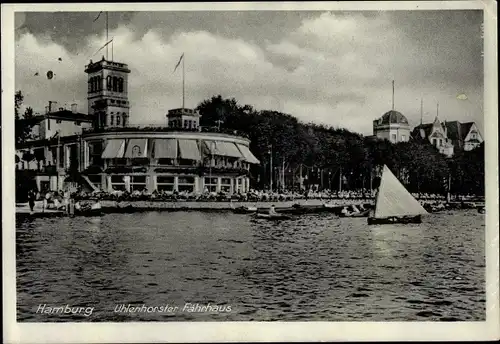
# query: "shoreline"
108,206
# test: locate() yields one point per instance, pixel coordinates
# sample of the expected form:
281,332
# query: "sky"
334,68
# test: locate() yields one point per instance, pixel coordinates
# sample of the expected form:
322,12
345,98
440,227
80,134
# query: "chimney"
74,108
52,106
47,109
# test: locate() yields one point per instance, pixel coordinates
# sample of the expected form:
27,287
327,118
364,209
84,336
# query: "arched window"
99,84
120,85
115,84
112,120
108,83
90,86
117,120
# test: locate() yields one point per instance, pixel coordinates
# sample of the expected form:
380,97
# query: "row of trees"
343,153
349,159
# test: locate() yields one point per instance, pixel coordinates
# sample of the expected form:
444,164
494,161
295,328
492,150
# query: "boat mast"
421,111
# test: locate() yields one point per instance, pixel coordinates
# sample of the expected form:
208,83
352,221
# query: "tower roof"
393,117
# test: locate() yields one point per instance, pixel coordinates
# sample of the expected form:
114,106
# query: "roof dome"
393,117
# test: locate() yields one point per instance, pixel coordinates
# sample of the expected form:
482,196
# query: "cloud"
330,68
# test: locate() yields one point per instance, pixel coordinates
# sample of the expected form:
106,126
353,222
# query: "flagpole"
183,77
107,35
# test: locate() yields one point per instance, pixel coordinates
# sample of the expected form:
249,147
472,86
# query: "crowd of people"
251,196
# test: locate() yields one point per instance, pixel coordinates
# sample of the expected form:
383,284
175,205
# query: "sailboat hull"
395,219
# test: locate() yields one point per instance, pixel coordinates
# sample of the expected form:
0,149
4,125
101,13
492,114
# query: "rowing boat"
272,217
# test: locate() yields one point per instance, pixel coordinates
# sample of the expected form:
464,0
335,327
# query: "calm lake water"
314,267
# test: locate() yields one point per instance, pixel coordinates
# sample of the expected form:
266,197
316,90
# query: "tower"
107,93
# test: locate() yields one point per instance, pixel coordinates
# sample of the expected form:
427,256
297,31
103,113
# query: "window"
96,180
165,183
108,83
120,85
393,137
118,183
61,156
210,184
403,138
137,183
186,162
115,84
112,120
185,123
225,184
98,83
95,152
117,120
186,184
166,161
119,161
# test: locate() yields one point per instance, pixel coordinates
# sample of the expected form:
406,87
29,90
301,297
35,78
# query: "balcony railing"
156,128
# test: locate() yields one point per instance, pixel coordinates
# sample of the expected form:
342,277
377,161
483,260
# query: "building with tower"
392,126
107,93
108,153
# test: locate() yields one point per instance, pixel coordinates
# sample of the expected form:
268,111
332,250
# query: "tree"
24,124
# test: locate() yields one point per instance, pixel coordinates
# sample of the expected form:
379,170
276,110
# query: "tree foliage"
419,165
23,124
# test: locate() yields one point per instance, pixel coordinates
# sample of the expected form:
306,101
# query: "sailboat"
394,204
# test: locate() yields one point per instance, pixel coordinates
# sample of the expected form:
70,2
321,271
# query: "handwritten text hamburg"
188,307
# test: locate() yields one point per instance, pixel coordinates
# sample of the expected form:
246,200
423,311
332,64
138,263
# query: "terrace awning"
211,147
189,150
248,156
165,148
223,148
229,149
137,148
114,149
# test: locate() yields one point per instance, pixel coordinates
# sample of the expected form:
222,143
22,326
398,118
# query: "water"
315,267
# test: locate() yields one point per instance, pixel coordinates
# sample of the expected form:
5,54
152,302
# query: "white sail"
394,200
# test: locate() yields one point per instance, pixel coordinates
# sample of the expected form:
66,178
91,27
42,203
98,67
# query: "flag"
103,46
178,63
98,16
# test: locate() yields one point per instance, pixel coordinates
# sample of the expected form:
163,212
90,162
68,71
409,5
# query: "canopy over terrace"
170,148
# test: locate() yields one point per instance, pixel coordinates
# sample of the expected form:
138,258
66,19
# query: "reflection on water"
314,267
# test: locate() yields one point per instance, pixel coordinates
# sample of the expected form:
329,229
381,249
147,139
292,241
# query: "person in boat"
272,210
355,209
362,207
344,211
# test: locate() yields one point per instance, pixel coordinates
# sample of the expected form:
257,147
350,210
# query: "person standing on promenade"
31,199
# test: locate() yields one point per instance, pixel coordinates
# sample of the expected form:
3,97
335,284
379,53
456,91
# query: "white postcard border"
15,332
